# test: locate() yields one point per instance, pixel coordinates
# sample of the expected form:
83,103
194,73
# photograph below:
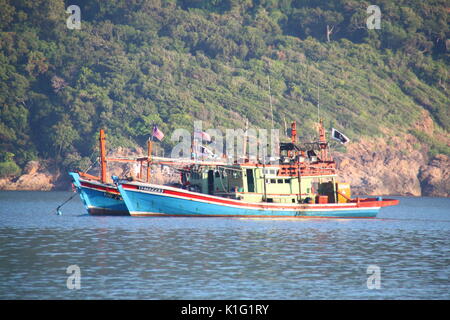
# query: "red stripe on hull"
365,203
99,187
159,215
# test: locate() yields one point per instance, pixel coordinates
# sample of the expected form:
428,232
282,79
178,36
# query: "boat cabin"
306,182
303,174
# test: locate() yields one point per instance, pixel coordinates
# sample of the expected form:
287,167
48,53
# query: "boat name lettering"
151,189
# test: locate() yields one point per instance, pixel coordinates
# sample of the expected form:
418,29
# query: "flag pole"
102,140
149,154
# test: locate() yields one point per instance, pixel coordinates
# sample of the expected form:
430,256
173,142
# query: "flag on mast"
157,133
339,136
202,135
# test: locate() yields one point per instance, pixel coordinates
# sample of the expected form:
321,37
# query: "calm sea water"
221,258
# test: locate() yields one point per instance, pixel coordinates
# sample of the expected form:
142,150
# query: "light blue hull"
96,198
152,204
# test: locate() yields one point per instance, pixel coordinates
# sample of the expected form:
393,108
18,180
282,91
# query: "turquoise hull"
162,201
98,198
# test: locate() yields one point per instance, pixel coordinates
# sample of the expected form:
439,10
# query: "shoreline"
64,184
353,196
371,167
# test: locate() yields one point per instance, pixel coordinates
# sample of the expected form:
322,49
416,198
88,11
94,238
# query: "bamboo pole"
264,176
299,183
149,159
141,170
102,141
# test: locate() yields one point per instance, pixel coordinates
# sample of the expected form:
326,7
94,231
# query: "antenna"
270,98
318,103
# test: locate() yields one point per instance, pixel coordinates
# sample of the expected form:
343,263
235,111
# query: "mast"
293,137
293,132
323,144
294,140
102,142
245,141
149,158
264,175
299,183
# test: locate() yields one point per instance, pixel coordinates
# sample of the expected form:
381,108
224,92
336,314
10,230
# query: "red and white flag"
157,133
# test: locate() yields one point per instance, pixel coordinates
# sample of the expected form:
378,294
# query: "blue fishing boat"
144,199
98,194
99,198
303,183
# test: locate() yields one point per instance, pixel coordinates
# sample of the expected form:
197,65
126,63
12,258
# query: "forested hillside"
138,62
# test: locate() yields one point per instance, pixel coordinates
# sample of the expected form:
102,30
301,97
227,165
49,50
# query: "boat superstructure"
301,182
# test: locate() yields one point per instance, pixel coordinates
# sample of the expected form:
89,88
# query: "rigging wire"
58,209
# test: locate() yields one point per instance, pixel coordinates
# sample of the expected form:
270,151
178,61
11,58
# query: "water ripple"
124,257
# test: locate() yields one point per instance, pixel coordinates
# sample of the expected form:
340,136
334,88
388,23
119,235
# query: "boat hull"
99,198
155,200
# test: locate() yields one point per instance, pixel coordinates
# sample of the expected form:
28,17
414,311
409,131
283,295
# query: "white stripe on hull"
266,206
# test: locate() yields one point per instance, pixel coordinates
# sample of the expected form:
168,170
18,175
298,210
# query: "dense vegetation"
138,62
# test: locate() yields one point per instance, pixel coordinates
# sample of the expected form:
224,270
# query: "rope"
58,211
90,161
90,167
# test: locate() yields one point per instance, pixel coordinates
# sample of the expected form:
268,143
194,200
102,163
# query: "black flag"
339,136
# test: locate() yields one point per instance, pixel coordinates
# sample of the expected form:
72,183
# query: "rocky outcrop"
159,174
393,167
435,177
398,165
377,167
35,176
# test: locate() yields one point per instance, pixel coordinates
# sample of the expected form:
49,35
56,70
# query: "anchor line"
59,207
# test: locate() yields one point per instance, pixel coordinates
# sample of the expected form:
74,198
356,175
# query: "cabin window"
287,181
267,180
280,180
217,174
273,181
272,172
